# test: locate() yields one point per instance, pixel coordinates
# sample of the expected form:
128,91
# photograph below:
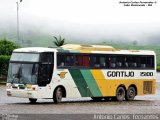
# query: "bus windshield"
31,68
28,57
22,73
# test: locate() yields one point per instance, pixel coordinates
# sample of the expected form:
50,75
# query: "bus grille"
147,87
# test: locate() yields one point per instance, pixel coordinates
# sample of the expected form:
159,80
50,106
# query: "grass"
2,81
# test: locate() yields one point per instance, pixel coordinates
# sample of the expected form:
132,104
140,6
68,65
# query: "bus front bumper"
22,93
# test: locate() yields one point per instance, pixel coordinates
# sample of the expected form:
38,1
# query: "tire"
32,100
120,94
96,98
131,93
58,94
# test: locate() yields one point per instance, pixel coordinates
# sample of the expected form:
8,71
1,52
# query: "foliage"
4,62
58,41
135,42
6,47
158,68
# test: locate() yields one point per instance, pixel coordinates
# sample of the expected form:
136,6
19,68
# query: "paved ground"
144,104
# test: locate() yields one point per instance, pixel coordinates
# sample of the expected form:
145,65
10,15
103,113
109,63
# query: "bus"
74,71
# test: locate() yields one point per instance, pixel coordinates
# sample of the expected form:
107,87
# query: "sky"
106,18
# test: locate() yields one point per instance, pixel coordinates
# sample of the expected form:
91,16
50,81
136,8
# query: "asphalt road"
141,105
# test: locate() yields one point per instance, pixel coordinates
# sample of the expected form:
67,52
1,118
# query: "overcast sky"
106,18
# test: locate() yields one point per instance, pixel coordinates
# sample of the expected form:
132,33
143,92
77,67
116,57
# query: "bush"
6,46
4,62
158,68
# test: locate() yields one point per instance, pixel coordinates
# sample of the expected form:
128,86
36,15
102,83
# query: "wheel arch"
63,90
122,85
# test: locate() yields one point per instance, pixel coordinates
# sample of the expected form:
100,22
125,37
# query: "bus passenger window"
69,60
61,64
86,61
102,62
60,60
96,61
78,60
143,61
112,62
113,65
150,62
143,65
126,64
119,61
119,64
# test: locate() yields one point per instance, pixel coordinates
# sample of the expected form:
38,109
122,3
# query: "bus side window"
69,60
150,62
78,60
102,62
60,60
119,61
86,61
143,61
112,62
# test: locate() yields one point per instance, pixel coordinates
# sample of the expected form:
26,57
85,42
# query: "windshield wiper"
16,76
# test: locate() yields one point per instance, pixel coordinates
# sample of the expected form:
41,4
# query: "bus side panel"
64,78
108,86
95,83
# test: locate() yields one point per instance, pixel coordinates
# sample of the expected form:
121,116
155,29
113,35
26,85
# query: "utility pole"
18,35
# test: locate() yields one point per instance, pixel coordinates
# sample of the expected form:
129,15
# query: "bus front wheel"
131,93
32,100
57,96
120,94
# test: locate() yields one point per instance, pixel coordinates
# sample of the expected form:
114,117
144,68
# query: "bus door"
46,66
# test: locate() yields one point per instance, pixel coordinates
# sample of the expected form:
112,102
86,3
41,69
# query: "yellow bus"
74,71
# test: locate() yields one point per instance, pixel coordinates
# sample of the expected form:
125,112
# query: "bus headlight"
9,85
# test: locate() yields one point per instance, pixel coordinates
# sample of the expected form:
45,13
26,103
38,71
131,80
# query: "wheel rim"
59,94
120,94
131,93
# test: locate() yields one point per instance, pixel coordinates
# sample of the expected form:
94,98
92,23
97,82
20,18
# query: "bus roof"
101,49
74,48
34,49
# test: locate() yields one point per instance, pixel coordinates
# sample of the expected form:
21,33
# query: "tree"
58,41
6,46
135,42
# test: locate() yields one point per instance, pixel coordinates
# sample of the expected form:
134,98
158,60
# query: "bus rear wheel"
57,96
120,94
131,93
32,100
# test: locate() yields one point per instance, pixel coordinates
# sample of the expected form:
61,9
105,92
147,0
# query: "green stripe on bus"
87,75
74,51
63,50
80,83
